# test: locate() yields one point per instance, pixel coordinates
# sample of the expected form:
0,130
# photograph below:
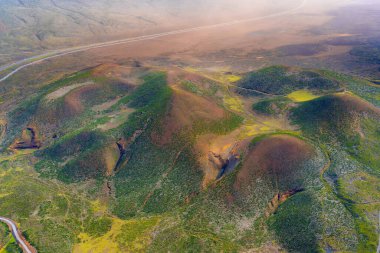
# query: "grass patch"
230,122
368,237
136,235
232,78
97,227
233,103
301,96
124,236
273,106
51,212
190,86
11,247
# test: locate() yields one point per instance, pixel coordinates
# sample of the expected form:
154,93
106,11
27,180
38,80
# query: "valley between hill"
125,158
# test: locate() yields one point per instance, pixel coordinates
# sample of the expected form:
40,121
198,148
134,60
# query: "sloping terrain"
348,127
158,159
281,80
275,160
338,115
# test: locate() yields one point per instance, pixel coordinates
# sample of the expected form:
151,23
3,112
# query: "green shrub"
273,106
281,80
296,223
98,226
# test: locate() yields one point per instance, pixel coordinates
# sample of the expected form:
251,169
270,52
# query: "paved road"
16,234
58,53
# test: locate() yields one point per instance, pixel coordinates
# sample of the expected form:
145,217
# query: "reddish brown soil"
275,159
176,75
128,73
357,105
111,156
185,109
72,106
29,139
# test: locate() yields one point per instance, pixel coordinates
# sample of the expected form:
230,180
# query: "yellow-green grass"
98,207
301,96
361,188
4,249
232,78
253,130
125,236
233,104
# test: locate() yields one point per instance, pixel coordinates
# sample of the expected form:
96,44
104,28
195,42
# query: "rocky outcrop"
29,139
278,199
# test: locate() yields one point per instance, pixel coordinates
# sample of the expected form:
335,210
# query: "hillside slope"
126,158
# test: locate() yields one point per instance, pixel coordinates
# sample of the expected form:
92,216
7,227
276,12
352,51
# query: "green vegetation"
4,234
354,124
297,224
190,86
19,117
84,151
57,212
273,106
141,186
280,80
369,148
136,234
221,127
7,242
81,151
11,247
365,228
301,96
96,227
150,101
361,87
149,196
331,116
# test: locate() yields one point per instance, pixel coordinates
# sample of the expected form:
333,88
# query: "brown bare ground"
186,108
177,75
278,199
213,150
117,119
73,99
194,48
64,90
275,158
111,156
3,128
356,104
72,107
29,139
125,74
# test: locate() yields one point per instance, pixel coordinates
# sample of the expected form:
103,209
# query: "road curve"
17,235
58,53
